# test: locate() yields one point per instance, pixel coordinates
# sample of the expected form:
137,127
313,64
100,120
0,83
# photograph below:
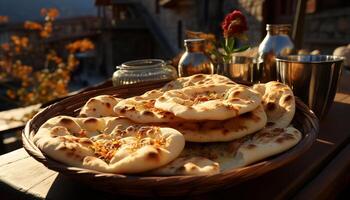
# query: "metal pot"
313,78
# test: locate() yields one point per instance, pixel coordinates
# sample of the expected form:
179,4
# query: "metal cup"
313,78
241,69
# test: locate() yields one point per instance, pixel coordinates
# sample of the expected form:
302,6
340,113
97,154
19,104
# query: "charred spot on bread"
146,112
278,84
153,156
158,150
247,115
70,154
138,98
89,159
90,120
215,165
225,131
198,76
284,138
236,93
193,168
108,105
130,129
251,146
66,121
123,110
63,148
181,169
251,116
85,141
270,124
78,157
288,98
278,130
161,98
234,99
270,106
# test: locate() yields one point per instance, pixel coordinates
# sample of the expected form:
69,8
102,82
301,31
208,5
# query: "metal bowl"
313,78
242,69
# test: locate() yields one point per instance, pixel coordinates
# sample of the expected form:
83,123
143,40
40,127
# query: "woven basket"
304,120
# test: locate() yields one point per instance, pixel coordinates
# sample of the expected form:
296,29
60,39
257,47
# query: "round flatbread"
141,109
279,103
198,79
209,102
100,106
247,150
113,145
222,131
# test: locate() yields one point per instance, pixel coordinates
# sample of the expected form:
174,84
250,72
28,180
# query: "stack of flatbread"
197,125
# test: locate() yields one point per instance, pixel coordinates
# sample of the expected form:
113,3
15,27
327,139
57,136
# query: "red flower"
234,24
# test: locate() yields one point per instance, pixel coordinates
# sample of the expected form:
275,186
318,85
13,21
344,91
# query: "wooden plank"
13,156
43,188
331,181
13,118
298,24
24,174
339,97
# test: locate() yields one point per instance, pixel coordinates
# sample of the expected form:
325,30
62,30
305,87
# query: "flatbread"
222,131
112,145
247,150
100,106
279,103
187,166
209,102
141,109
198,79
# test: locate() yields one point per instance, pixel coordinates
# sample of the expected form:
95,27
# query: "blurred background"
50,48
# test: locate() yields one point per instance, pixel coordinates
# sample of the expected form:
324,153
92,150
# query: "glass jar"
138,71
194,60
276,43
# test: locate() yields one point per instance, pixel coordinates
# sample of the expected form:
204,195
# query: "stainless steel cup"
313,78
242,69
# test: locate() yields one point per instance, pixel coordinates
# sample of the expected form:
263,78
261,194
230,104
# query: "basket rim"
257,168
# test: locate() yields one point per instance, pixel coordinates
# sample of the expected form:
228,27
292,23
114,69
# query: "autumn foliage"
43,81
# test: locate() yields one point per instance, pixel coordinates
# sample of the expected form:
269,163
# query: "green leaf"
231,43
227,51
241,49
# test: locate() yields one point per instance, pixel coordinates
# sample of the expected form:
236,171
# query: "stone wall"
327,30
323,30
168,19
191,14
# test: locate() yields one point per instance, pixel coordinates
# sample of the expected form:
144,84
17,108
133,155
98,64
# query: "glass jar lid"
142,64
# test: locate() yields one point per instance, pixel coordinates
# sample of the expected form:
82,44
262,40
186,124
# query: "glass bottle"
194,60
275,44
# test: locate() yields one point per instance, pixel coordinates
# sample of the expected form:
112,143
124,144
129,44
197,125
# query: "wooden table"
321,173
